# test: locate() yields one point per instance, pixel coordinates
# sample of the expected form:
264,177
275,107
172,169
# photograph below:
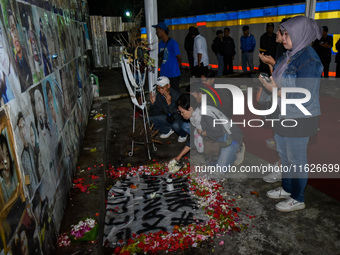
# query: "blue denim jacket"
248,43
303,71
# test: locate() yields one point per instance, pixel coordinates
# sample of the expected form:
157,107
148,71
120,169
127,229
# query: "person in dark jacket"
268,46
248,44
189,48
229,52
163,110
218,48
324,49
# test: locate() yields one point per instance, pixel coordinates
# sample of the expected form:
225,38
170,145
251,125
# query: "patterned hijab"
302,31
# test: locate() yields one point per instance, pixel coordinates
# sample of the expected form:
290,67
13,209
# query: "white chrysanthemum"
174,166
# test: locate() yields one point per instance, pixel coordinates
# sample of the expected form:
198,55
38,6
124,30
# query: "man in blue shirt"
247,46
169,56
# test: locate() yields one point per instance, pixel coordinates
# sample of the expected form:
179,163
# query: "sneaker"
290,205
240,155
182,139
277,193
273,177
163,136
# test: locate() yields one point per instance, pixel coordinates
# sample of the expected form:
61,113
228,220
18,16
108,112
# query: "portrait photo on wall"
11,192
10,224
65,40
31,36
77,86
26,237
7,93
42,125
23,61
69,98
10,179
49,53
25,150
53,103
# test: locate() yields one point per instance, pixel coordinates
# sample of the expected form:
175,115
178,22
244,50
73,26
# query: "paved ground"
315,230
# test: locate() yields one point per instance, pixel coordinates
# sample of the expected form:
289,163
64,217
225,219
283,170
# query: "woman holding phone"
299,67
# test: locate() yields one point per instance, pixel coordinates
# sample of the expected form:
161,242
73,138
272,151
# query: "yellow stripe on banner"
182,26
327,15
336,37
260,20
143,36
226,23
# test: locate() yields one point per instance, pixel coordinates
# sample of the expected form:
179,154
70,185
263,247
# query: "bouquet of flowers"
174,166
85,230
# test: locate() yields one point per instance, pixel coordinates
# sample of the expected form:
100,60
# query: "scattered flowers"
223,215
64,240
254,193
79,184
152,169
99,116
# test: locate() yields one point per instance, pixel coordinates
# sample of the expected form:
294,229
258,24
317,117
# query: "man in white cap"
163,110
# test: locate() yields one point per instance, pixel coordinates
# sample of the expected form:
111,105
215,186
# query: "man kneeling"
163,110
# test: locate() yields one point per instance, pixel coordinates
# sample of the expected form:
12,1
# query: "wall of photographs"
45,100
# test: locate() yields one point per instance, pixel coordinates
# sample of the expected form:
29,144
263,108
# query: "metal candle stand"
130,79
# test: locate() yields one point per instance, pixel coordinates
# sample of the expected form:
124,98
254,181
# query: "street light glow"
127,14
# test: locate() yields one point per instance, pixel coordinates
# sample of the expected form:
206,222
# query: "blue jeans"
293,154
228,154
160,122
220,61
186,127
247,58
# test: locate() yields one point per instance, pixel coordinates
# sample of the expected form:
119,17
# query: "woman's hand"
268,85
185,150
267,59
201,132
178,158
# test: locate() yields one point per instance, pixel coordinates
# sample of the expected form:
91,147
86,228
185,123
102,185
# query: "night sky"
179,8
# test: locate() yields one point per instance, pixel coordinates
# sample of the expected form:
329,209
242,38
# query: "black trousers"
191,62
325,64
228,64
199,71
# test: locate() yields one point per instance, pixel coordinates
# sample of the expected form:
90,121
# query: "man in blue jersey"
169,56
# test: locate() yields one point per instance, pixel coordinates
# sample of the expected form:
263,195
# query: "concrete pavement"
314,230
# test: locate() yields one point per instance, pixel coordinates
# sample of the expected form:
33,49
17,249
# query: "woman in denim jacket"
299,67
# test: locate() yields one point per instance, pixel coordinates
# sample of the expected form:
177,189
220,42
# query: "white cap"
162,81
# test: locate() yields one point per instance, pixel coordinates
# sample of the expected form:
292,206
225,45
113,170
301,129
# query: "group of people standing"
224,48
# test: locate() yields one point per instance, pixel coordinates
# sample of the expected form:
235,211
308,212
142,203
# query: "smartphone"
265,76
